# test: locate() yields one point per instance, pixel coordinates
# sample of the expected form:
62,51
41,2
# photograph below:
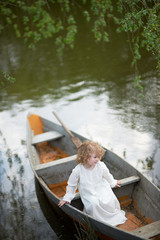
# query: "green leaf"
106,37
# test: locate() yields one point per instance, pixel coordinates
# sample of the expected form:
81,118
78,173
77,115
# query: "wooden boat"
52,157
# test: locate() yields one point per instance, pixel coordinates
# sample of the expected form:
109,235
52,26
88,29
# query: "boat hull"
144,194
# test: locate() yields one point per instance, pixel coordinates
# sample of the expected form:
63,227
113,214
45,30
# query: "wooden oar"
77,142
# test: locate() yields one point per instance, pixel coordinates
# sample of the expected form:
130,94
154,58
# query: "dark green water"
91,89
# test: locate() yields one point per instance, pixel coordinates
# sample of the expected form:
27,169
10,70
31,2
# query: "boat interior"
54,165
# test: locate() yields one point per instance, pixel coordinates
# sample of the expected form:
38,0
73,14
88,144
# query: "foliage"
148,163
141,21
34,20
6,79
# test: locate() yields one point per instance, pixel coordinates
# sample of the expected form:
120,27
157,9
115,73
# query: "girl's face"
92,161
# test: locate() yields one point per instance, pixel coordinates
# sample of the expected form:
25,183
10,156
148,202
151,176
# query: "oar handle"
67,130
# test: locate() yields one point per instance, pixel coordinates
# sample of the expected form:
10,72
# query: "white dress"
96,194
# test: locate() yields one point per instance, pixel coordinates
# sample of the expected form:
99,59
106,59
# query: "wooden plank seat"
124,193
124,181
129,180
55,172
55,165
47,136
148,231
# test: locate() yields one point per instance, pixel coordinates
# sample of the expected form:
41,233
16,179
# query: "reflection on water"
91,89
21,217
151,166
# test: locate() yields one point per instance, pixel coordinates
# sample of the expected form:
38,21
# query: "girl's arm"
108,176
61,203
71,187
118,183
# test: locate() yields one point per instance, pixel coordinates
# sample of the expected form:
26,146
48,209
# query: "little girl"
94,181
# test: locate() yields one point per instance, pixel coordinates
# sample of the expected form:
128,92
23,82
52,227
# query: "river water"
91,89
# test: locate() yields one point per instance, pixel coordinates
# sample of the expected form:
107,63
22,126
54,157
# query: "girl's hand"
61,203
118,183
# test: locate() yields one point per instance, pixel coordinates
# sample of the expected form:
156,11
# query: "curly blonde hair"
86,150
